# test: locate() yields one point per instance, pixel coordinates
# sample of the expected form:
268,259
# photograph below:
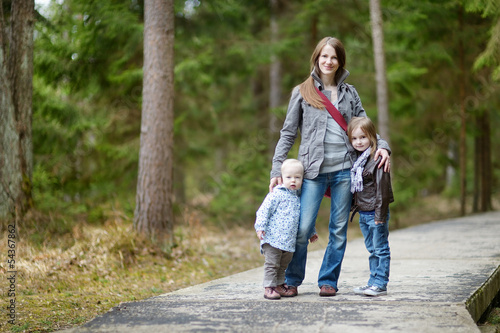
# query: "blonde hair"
367,126
291,162
307,88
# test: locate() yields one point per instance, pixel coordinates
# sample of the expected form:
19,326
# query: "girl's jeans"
313,191
377,243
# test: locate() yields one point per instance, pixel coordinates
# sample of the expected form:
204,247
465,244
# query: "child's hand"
314,238
379,222
261,234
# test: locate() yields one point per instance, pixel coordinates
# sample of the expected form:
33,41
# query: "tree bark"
380,69
482,163
477,169
463,119
274,78
314,31
16,90
153,212
485,172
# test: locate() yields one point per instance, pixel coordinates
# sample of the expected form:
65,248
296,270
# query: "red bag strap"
333,110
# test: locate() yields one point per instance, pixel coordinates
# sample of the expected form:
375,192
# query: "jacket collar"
319,84
283,188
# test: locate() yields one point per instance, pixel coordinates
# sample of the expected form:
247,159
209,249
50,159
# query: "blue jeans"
313,191
377,243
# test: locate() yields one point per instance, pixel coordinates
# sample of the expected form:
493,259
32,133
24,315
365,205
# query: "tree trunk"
477,167
16,89
482,163
485,172
463,128
153,212
380,71
314,31
274,78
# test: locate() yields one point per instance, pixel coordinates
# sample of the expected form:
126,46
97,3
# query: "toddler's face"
359,139
292,178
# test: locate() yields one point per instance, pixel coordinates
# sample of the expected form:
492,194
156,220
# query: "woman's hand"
275,181
261,234
386,159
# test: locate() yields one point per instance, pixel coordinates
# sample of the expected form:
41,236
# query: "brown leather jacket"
377,191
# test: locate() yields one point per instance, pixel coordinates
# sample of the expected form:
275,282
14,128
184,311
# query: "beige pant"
275,265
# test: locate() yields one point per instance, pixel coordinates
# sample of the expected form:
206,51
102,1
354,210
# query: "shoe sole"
359,291
272,298
327,293
322,294
375,294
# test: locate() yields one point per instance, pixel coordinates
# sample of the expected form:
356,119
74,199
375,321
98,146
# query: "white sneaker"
375,291
360,290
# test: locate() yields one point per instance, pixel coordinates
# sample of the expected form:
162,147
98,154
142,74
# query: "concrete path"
443,275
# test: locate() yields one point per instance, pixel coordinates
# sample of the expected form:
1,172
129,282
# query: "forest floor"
70,279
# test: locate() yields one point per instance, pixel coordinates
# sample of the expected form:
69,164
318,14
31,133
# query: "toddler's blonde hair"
292,162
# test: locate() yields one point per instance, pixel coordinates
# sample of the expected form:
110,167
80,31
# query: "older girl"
373,193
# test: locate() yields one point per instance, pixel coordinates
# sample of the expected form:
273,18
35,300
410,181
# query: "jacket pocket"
304,156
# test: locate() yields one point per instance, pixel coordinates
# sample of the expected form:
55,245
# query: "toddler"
276,226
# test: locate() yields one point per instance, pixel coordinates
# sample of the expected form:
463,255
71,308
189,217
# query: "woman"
327,156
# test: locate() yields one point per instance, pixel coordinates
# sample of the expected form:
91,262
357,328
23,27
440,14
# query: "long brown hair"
367,126
307,87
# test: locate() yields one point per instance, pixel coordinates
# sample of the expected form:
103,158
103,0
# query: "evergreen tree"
153,211
16,74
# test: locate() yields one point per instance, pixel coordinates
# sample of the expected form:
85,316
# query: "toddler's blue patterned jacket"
278,217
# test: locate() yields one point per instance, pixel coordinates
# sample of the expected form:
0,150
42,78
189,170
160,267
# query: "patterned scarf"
357,171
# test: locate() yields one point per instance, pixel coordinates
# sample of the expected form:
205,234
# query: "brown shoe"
270,293
327,290
281,289
290,291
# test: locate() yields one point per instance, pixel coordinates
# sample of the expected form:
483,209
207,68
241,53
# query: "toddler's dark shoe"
286,291
270,293
291,291
281,290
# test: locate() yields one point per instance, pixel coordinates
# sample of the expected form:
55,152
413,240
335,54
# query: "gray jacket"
312,125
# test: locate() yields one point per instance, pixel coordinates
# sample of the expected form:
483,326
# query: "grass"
492,324
494,317
69,278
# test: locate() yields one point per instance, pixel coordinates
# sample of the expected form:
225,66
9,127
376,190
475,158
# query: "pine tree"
153,212
16,89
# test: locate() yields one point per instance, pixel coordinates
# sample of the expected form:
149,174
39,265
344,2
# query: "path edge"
482,298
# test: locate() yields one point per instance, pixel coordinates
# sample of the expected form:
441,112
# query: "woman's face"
327,61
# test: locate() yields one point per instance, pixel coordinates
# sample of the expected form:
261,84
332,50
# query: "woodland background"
442,58
88,83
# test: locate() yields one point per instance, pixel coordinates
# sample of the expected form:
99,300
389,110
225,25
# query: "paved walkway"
443,275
